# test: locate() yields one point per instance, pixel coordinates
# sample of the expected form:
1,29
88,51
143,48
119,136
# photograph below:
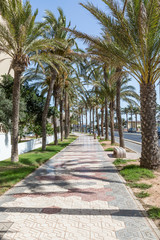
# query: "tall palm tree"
54,30
127,94
96,74
126,111
136,46
136,111
131,111
20,39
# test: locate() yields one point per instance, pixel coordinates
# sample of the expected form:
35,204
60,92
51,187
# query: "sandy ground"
154,191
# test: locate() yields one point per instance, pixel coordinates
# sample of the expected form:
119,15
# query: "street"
133,137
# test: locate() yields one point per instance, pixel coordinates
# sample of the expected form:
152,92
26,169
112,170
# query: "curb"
128,140
138,204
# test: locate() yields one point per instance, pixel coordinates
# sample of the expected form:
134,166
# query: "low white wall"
5,145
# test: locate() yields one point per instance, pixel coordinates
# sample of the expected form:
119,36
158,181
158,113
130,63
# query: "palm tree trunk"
93,120
77,128
106,120
82,122
90,120
150,152
131,120
55,122
118,110
136,122
69,120
97,116
86,120
106,106
66,114
112,122
15,115
102,120
45,112
127,120
61,118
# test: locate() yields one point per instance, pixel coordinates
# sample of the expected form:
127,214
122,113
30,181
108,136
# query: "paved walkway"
77,195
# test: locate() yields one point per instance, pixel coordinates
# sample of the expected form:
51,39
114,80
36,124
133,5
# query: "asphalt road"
132,136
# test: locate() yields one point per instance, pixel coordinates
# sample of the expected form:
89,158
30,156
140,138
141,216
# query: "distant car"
158,130
132,130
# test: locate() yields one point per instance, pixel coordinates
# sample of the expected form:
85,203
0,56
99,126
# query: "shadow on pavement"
66,211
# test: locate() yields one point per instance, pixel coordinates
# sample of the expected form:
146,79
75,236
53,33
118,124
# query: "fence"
5,145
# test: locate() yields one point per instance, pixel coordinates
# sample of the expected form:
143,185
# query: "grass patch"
101,140
120,161
154,213
115,144
109,149
134,173
103,144
11,173
140,185
142,194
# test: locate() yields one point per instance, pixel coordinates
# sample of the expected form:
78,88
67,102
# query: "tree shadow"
78,211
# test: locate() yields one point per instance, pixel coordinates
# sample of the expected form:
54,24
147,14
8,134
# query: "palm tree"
96,74
54,30
20,40
136,111
127,94
136,46
131,111
126,111
106,104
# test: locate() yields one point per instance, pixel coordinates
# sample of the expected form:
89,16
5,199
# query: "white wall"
5,145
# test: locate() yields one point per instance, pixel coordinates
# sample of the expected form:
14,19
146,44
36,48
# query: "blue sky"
74,12
78,16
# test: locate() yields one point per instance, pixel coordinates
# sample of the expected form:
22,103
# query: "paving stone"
76,195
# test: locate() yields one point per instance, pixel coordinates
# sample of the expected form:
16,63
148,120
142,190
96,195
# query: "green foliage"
120,161
142,194
134,173
34,102
49,129
101,140
6,86
103,144
140,185
5,110
154,213
109,149
132,38
37,129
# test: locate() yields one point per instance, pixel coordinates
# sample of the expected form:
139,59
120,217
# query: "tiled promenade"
77,195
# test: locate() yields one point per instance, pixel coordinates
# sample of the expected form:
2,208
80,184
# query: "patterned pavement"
76,195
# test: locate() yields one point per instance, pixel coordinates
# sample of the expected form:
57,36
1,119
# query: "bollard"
95,136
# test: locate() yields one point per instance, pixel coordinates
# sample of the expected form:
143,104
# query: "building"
132,124
5,62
